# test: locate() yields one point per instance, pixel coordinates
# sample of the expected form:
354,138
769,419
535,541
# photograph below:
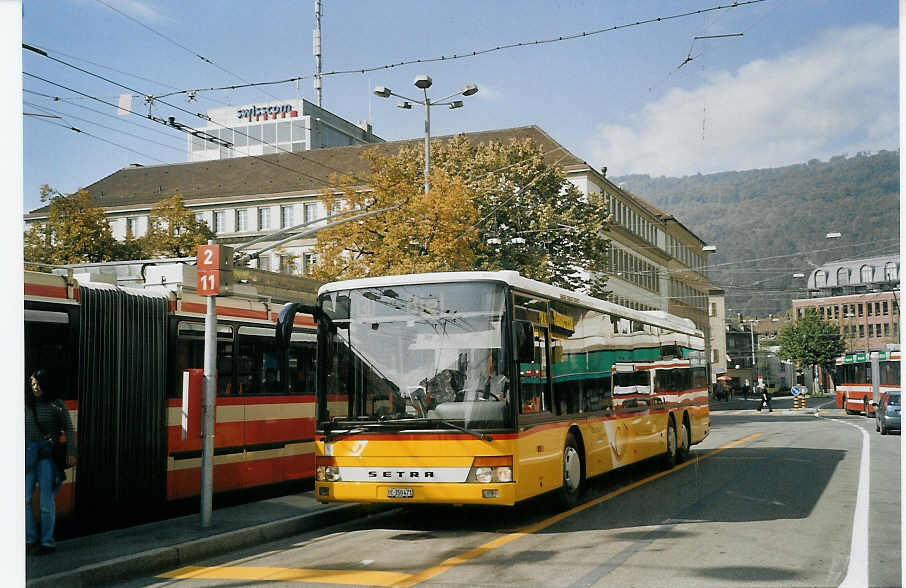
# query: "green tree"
491,206
810,341
74,232
173,231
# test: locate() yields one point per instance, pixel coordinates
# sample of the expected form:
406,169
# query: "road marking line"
271,574
857,572
534,528
404,580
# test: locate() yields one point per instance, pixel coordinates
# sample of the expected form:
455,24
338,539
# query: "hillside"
770,223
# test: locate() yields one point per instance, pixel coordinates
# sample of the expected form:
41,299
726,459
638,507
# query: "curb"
154,560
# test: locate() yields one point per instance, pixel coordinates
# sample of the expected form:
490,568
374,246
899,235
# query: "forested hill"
770,223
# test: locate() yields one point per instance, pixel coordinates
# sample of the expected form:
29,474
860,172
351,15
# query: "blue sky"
808,79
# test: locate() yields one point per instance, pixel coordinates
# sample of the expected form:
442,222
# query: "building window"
842,277
219,220
310,212
242,220
820,279
866,274
884,307
287,264
286,216
860,309
877,309
130,227
861,331
887,329
264,218
890,271
309,260
868,308
836,312
871,331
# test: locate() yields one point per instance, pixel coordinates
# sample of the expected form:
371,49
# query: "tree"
74,232
537,222
173,231
810,341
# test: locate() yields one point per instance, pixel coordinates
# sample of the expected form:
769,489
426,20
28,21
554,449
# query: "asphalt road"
769,499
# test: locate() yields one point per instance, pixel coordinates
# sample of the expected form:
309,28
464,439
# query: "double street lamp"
423,83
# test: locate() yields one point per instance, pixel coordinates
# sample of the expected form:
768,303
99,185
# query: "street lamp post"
423,83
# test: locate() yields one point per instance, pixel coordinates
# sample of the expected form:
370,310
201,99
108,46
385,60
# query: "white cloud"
135,8
836,95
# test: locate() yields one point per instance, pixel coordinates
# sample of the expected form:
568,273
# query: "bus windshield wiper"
479,434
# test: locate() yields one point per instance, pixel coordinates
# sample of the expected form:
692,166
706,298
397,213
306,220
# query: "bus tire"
573,474
670,456
685,436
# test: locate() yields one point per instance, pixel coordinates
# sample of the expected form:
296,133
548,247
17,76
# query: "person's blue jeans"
45,474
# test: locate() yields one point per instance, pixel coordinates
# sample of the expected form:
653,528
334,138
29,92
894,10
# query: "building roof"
852,271
143,186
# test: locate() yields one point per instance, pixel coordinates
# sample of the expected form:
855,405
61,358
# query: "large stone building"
657,262
861,296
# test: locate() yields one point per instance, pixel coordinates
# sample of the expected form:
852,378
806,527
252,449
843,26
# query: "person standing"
46,417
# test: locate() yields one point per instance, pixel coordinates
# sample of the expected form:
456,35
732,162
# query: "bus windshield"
417,356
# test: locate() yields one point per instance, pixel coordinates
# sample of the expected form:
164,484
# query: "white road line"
857,572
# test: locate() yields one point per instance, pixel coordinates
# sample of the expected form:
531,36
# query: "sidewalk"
118,555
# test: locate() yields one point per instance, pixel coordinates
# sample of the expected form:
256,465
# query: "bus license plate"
399,493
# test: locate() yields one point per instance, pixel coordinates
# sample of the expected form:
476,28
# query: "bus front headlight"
491,469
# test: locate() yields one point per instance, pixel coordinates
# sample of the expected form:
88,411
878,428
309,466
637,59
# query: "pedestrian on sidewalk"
765,396
46,419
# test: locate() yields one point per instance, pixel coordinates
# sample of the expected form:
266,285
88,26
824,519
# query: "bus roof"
513,279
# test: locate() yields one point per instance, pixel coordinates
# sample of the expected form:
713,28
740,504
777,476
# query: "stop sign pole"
214,264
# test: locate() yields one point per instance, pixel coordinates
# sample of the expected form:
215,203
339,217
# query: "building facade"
861,296
280,126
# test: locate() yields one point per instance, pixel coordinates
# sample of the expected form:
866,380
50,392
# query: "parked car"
887,415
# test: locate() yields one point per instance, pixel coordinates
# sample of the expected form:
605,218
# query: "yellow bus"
491,388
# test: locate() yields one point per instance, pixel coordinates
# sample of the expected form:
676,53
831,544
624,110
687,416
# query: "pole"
210,395
752,337
317,51
427,140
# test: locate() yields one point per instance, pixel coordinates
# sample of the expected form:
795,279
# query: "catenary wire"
74,129
475,53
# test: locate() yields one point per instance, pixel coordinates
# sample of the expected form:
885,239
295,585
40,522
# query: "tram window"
50,344
189,352
699,377
258,362
302,363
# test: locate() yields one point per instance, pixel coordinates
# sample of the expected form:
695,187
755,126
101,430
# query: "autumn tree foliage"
74,232
173,231
491,206
78,232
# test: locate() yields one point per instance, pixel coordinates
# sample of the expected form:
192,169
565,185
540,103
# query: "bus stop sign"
214,269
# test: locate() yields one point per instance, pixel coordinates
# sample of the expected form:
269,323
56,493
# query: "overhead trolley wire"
80,131
196,114
467,54
178,44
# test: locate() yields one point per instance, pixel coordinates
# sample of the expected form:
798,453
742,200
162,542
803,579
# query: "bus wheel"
573,473
684,443
671,455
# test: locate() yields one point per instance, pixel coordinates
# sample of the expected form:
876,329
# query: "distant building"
860,296
274,127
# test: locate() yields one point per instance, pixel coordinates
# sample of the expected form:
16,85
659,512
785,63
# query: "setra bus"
491,388
118,355
861,377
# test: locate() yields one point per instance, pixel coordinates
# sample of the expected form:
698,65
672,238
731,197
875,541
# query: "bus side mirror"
524,336
288,315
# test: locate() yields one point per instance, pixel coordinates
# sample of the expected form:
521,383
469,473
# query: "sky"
805,79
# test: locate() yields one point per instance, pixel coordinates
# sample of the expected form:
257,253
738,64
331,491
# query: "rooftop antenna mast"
316,47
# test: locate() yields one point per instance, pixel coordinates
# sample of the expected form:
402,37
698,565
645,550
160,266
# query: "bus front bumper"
501,494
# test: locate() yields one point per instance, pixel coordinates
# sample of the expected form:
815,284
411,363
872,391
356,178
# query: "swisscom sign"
267,112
